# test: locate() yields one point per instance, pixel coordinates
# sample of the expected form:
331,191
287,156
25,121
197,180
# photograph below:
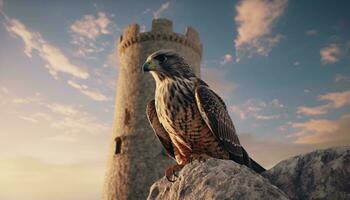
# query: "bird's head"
167,64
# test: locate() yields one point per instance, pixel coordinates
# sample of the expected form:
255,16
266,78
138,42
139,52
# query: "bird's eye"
161,58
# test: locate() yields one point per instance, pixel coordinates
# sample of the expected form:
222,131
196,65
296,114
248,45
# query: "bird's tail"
244,159
256,167
248,161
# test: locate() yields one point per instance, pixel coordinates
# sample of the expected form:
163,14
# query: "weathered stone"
322,174
136,157
215,179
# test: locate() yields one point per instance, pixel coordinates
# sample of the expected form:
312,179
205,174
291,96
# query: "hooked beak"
148,66
145,67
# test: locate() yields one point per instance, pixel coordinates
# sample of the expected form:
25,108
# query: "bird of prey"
190,120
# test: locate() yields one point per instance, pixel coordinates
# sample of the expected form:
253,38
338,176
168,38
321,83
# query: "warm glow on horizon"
283,73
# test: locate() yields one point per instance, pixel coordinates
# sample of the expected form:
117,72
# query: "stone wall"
136,157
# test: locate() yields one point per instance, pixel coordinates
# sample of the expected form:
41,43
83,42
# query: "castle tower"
136,158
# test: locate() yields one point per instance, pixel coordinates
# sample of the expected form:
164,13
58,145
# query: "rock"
322,174
215,179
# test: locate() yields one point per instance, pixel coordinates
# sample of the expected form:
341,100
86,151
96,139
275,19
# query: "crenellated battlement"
162,30
132,133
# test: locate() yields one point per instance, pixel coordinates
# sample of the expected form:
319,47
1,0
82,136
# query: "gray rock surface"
322,174
215,179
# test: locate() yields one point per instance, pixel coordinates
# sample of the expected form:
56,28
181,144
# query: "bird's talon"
171,172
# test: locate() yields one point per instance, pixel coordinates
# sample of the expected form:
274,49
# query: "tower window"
126,117
118,145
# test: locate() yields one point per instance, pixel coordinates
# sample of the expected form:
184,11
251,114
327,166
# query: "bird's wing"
159,130
213,111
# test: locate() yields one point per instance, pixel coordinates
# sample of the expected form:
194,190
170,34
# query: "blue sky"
282,67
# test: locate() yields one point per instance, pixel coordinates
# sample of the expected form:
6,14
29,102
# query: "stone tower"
136,157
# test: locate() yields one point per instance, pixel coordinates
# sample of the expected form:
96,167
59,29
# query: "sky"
281,66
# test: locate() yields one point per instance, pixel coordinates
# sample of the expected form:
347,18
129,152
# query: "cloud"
72,120
20,100
87,30
93,94
56,61
165,6
240,112
335,100
266,117
66,118
91,27
65,110
311,32
276,103
330,54
338,99
80,123
227,58
341,78
296,63
323,131
254,107
255,20
147,10
28,119
142,28
317,110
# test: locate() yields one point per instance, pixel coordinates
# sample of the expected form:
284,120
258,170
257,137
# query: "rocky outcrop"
322,174
215,179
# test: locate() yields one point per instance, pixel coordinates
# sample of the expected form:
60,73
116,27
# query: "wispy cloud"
30,119
296,63
93,94
20,100
158,13
330,54
335,100
320,131
239,111
147,10
311,32
341,78
317,110
86,30
64,117
91,27
65,110
255,20
227,58
267,117
255,107
56,61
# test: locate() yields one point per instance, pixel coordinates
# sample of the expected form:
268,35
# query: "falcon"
190,119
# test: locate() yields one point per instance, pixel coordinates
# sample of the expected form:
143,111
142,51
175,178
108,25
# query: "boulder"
322,174
215,179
